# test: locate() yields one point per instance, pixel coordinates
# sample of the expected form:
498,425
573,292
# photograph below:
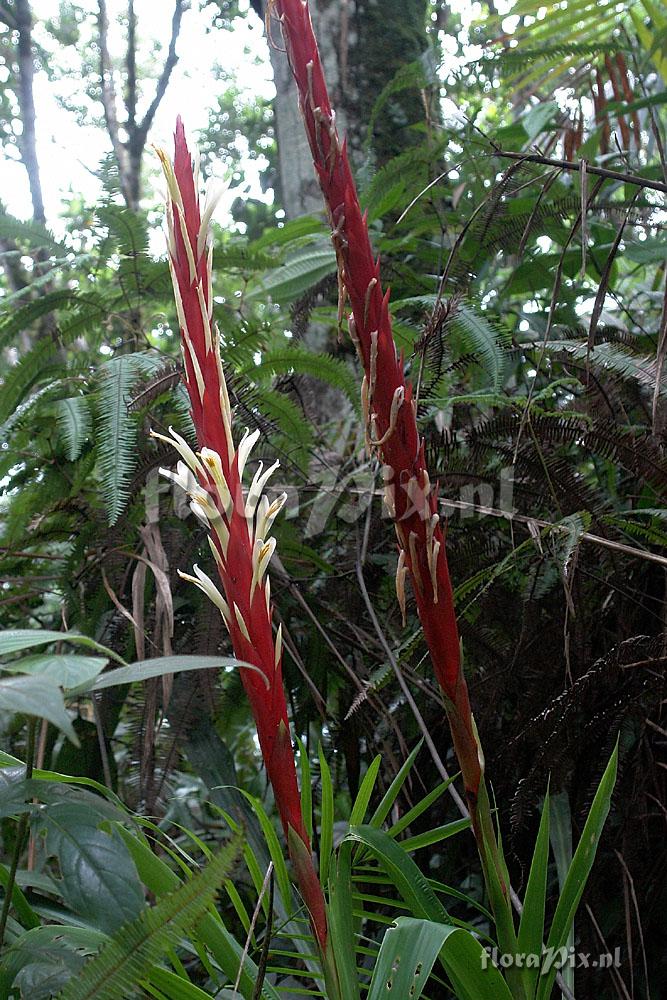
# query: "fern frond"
485,341
301,271
15,321
288,418
297,360
127,229
118,428
37,365
613,359
75,424
30,234
117,970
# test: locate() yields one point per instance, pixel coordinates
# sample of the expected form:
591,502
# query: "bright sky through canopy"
70,149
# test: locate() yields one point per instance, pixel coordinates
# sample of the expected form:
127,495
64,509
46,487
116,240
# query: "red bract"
238,520
387,399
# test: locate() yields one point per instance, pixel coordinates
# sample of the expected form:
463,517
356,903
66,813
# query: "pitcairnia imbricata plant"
238,520
390,411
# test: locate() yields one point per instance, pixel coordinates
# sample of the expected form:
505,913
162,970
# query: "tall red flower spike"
238,520
387,399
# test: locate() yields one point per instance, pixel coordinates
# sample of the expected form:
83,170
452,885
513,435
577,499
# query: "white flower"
206,585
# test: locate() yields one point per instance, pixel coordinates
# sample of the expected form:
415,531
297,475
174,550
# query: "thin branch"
167,70
28,141
131,67
108,91
610,175
585,536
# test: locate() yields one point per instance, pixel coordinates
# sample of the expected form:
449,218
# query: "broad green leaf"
158,667
306,788
412,814
341,943
531,927
560,836
275,851
39,697
68,670
160,879
326,817
120,966
20,904
41,961
435,836
579,870
539,118
175,987
300,272
407,954
99,880
470,969
13,640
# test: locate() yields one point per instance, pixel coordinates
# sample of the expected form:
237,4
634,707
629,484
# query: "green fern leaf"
118,969
75,424
613,359
29,234
127,229
37,365
483,340
118,428
300,361
303,269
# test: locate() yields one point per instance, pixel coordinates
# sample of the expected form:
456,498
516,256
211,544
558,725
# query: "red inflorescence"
387,399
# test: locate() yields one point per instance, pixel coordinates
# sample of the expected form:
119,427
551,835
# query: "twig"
610,175
246,947
437,760
586,536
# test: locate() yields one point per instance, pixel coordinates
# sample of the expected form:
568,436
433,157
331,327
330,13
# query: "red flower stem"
238,519
390,413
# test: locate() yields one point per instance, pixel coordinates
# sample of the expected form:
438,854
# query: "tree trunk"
363,44
28,141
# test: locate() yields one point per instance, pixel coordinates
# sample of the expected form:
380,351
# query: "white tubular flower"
267,513
241,623
206,585
213,464
213,196
183,477
257,487
203,502
200,515
401,573
248,442
279,644
261,557
183,448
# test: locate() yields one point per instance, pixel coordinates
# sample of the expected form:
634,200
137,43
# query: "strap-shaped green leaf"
407,955
579,871
407,877
531,927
